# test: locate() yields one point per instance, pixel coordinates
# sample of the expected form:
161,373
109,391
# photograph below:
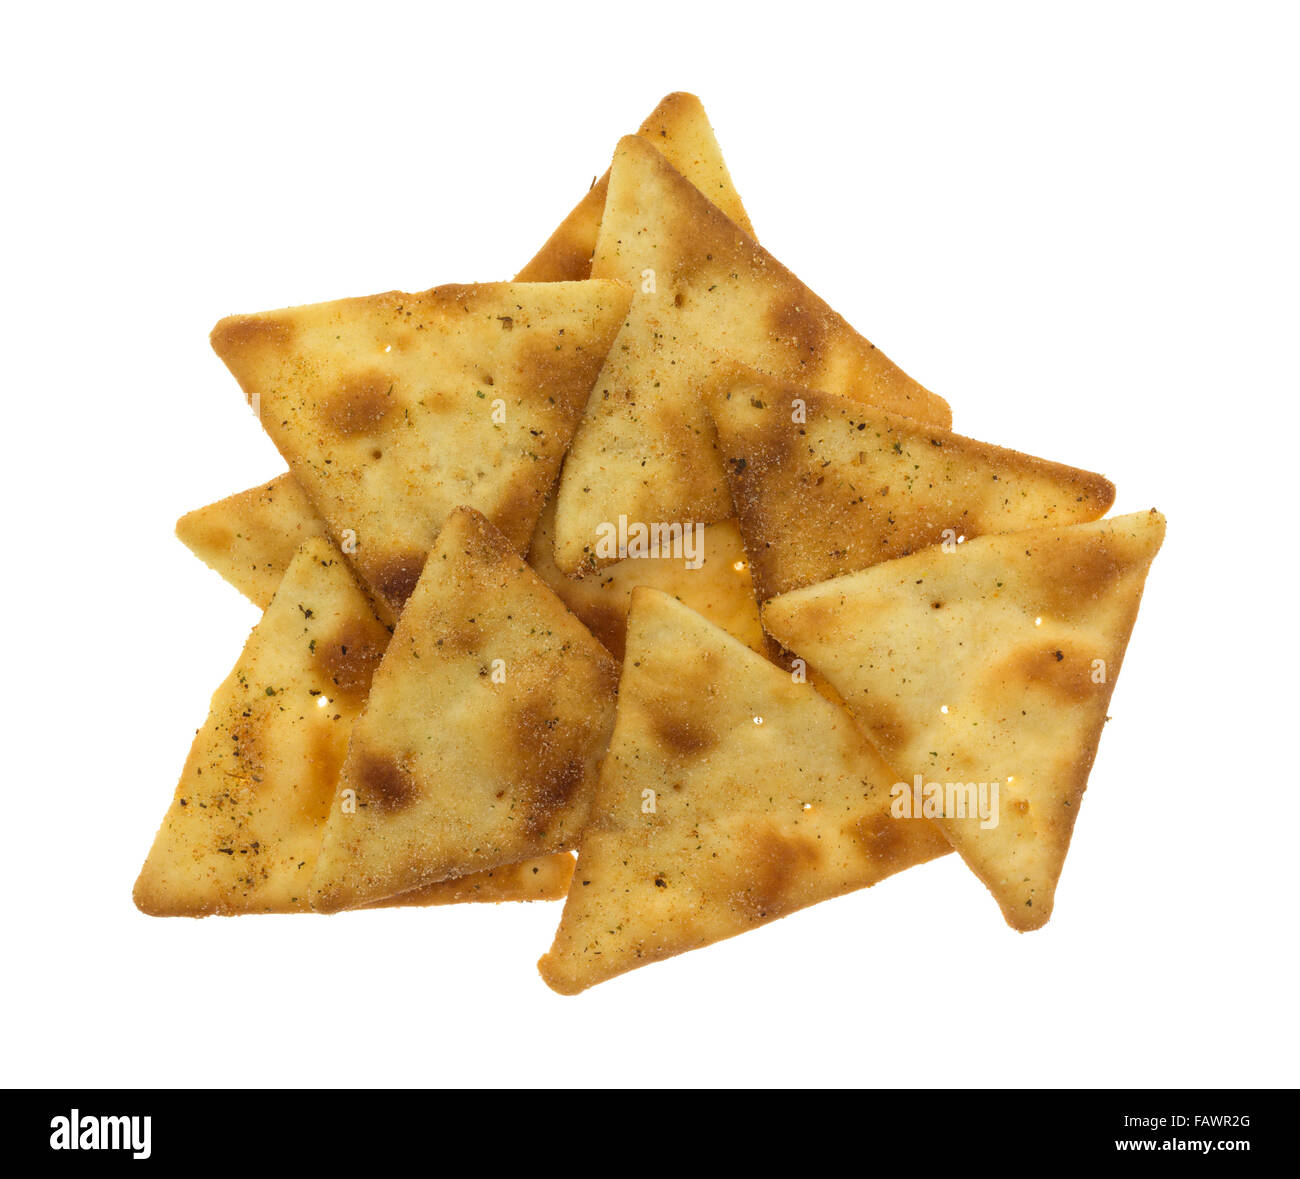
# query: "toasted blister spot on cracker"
1062,669
347,659
383,784
766,877
247,333
396,578
359,406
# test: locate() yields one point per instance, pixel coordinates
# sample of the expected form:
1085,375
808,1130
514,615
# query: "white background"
1078,224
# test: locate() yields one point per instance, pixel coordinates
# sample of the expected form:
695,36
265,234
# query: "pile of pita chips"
867,640
249,537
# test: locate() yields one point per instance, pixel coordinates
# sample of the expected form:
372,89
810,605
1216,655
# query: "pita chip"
250,537
730,796
679,129
824,485
646,447
992,664
393,409
244,827
479,743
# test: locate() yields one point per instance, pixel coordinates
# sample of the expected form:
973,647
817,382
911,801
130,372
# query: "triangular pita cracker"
245,824
250,537
646,447
480,740
679,128
824,485
246,820
393,409
731,796
991,664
